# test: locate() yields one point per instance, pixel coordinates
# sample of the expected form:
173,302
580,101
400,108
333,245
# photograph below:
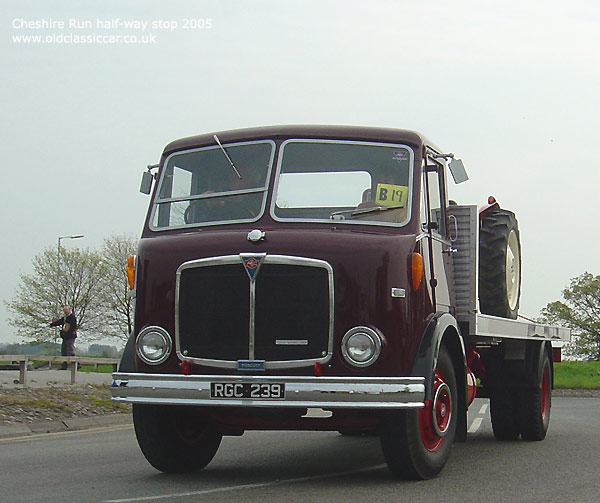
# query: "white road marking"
36,436
240,487
483,409
475,425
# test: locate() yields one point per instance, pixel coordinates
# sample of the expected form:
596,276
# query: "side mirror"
459,173
146,185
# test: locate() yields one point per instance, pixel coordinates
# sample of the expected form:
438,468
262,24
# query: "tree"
93,283
103,351
74,278
581,313
117,302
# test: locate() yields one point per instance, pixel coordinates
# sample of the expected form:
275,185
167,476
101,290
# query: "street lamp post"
58,279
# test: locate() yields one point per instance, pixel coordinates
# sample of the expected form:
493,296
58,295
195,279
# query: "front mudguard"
127,363
443,328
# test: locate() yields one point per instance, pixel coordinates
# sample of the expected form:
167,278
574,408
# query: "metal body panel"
465,259
443,274
366,266
325,132
301,391
492,326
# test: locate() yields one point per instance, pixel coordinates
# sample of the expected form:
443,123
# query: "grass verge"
577,375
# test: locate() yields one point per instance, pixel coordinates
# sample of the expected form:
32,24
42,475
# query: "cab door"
434,221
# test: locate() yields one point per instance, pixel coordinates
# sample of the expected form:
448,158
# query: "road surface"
105,465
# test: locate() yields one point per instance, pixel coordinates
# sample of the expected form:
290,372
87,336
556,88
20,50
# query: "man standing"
68,333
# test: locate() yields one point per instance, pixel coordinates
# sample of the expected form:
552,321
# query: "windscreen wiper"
227,155
340,215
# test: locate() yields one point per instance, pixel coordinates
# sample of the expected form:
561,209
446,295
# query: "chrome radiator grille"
258,308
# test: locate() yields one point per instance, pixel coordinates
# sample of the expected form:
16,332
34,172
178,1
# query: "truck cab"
300,277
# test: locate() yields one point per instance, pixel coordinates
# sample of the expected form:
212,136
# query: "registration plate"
254,391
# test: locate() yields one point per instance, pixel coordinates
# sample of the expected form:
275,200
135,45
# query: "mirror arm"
150,167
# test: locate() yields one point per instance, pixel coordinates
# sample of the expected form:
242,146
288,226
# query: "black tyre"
358,433
348,433
174,439
503,412
416,444
499,264
535,403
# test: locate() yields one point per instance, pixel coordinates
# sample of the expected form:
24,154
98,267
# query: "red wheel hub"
545,394
435,417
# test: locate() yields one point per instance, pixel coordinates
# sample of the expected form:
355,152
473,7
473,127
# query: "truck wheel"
534,404
417,443
499,264
174,439
503,411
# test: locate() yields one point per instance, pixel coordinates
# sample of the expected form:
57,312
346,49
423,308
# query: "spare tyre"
499,264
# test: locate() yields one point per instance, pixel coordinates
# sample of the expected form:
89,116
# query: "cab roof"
323,132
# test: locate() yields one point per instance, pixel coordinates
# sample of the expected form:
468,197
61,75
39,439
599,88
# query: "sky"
512,88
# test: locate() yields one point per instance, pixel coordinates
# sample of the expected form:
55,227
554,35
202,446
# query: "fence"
71,361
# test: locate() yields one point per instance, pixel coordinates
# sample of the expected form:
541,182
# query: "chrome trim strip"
240,192
221,260
252,328
300,391
268,259
344,222
257,258
269,364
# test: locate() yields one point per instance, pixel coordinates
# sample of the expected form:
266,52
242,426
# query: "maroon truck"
319,278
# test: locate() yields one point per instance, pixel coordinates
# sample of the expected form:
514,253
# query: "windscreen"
344,181
213,185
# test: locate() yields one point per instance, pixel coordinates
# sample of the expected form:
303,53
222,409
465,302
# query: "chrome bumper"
300,391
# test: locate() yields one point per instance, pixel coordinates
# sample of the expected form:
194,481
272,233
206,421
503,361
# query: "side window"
182,182
434,184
